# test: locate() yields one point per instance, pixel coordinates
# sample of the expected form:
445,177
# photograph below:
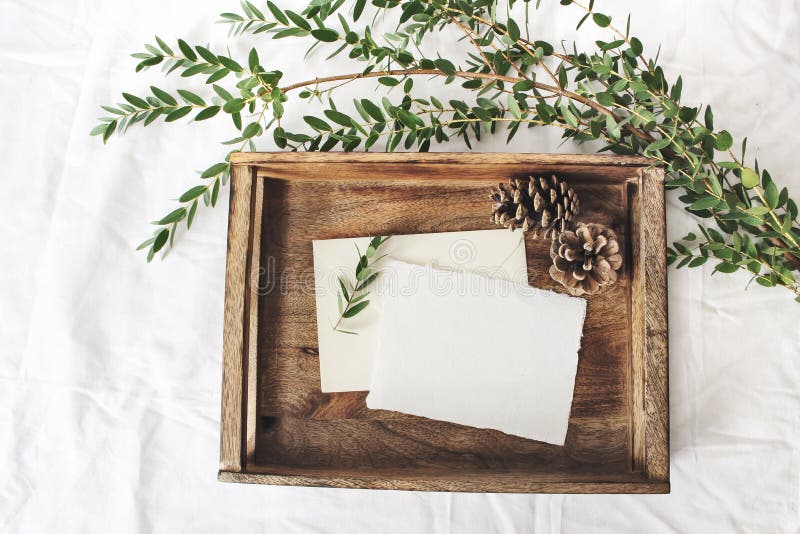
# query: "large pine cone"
537,204
585,260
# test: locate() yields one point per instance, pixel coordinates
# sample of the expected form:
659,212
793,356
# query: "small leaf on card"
352,298
355,310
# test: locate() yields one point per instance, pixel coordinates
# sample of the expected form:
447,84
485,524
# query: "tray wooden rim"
650,371
264,159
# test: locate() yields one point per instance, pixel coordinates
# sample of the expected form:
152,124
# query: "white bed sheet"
110,368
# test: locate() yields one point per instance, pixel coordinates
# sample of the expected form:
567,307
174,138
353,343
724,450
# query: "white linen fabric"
110,368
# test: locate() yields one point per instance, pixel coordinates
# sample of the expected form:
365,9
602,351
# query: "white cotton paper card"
346,360
477,351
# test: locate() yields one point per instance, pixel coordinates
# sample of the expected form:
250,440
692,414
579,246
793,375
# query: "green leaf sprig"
609,93
352,293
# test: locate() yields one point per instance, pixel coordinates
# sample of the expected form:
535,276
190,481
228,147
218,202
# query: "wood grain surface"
449,482
237,296
292,433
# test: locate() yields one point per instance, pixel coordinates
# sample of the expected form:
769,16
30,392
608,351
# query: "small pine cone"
537,204
586,260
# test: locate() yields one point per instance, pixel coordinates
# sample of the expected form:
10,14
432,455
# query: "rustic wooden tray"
277,426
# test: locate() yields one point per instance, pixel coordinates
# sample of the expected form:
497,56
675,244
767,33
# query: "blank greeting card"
478,351
346,360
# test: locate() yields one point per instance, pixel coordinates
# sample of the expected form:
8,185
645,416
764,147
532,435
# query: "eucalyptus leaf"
771,195
388,81
601,20
160,240
513,30
338,117
355,310
136,101
445,66
704,203
317,123
326,35
277,13
163,96
234,106
173,216
343,287
178,113
726,267
724,140
207,113
206,54
191,98
299,21
230,64
353,300
215,170
193,193
749,178
186,50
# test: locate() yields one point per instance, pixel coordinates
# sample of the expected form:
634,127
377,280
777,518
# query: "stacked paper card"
455,344
346,360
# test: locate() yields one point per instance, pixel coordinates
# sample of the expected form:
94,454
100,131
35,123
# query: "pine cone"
585,260
537,204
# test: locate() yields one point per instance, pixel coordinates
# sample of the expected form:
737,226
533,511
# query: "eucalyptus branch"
468,33
398,121
352,293
741,254
400,72
511,32
458,73
283,23
610,94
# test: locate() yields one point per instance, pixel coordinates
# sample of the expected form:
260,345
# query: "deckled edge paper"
472,350
346,360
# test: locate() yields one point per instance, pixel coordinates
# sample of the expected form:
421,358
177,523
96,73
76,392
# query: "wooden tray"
277,426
